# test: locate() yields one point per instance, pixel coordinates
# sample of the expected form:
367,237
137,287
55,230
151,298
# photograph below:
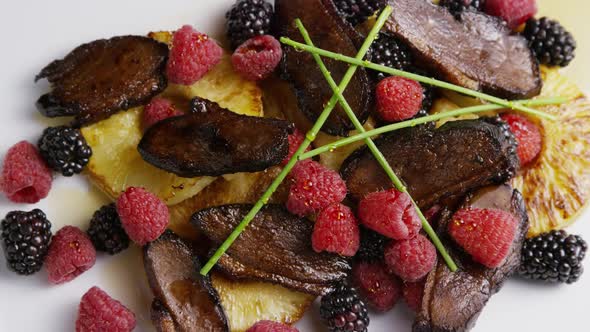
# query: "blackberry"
25,239
343,310
553,257
64,149
372,246
391,52
357,11
456,7
106,232
550,42
246,19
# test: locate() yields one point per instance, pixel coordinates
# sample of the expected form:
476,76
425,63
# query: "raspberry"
143,215
380,289
99,312
295,140
336,230
257,58
486,234
411,259
527,135
413,292
270,326
192,55
398,98
390,213
25,176
157,110
514,12
314,188
70,254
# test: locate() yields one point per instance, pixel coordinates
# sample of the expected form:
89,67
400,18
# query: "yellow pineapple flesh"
116,163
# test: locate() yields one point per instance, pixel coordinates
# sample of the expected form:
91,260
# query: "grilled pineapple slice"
556,188
247,302
116,164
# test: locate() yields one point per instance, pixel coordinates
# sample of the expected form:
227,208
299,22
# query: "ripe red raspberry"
486,234
527,135
336,230
99,312
376,285
192,55
411,259
295,140
413,292
157,110
257,58
143,215
390,213
314,188
270,326
514,12
398,98
25,176
70,254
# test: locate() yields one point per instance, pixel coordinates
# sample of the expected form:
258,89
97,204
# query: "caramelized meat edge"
100,78
214,142
275,247
328,31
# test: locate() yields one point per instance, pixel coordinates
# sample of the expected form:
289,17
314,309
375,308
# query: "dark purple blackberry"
372,246
553,257
64,149
550,42
106,232
390,52
343,310
25,239
247,19
456,7
357,11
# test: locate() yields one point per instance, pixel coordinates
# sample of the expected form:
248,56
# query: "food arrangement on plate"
365,153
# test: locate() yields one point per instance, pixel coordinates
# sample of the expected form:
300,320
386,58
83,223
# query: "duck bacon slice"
275,247
436,163
452,301
214,141
103,77
328,31
478,51
188,298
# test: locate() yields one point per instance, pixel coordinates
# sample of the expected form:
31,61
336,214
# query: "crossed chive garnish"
495,104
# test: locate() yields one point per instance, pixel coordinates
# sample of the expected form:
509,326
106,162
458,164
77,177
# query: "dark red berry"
257,58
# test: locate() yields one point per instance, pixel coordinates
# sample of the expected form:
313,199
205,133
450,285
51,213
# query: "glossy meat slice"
452,302
188,298
215,142
275,247
161,317
478,52
328,31
103,77
435,164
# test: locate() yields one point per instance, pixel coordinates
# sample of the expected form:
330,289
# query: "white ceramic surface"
36,32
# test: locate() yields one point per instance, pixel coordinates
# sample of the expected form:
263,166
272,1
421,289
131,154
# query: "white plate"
37,32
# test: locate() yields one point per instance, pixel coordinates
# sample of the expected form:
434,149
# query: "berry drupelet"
391,52
357,11
553,257
25,239
246,19
456,7
343,310
64,149
550,42
106,232
372,246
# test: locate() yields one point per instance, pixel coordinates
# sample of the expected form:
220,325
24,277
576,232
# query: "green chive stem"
430,118
310,137
427,80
